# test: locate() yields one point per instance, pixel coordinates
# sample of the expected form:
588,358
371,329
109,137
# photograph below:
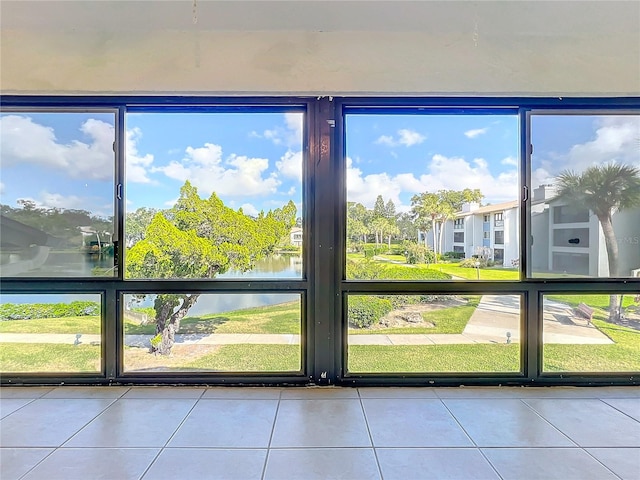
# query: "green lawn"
623,356
434,358
473,274
597,300
251,358
445,320
86,325
47,357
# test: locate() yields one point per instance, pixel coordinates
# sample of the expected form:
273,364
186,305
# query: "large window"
57,194
588,178
407,179
349,241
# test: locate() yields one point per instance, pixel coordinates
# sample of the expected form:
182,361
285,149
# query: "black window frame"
324,287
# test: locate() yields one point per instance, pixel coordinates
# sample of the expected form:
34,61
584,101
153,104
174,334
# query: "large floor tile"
94,464
624,462
227,423
23,392
49,423
87,392
15,462
628,406
318,393
320,423
589,422
134,423
164,392
10,405
480,392
210,464
434,464
322,464
505,423
546,464
242,393
413,423
398,392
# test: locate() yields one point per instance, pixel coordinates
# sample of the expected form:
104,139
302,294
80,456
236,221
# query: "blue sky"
254,160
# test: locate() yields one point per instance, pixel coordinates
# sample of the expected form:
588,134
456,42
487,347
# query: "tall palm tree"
604,189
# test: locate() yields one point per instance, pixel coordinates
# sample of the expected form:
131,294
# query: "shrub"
453,255
399,301
415,253
471,263
366,269
26,311
367,310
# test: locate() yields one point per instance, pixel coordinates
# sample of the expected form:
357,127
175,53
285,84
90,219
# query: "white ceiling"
321,47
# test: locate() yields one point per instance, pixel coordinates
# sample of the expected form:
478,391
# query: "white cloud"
249,209
137,166
27,142
410,137
476,132
289,135
405,137
509,161
290,165
57,200
615,139
237,176
453,173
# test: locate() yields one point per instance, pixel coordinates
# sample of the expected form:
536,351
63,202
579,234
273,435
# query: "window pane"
214,195
212,332
434,333
585,210
425,194
42,333
591,333
56,194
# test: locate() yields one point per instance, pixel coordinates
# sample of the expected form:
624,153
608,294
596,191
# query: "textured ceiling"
321,47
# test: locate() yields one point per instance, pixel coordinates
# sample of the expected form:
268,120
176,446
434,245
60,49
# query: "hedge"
26,311
366,310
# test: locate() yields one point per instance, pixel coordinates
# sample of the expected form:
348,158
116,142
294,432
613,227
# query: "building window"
570,214
486,218
498,237
486,235
498,254
458,237
498,219
458,223
458,249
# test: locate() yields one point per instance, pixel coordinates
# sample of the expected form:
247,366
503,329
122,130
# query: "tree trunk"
168,321
612,256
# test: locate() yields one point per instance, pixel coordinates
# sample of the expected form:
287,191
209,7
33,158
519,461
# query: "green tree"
379,209
199,238
136,223
604,189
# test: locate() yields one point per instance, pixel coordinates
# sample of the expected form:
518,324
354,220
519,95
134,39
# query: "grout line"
617,409
548,421
273,428
373,447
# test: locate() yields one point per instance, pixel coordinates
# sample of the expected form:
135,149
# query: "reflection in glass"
585,210
428,196
212,332
433,333
213,195
56,194
42,333
591,333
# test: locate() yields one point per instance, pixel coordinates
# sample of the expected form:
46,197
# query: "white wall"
321,47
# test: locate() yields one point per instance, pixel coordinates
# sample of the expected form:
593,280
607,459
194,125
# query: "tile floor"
120,433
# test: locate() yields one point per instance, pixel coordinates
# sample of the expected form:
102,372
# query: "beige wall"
307,47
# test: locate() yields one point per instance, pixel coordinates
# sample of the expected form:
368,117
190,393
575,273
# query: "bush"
399,301
26,311
366,269
453,255
367,310
415,253
471,263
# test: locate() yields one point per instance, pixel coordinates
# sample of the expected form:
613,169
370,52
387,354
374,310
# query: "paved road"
493,318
